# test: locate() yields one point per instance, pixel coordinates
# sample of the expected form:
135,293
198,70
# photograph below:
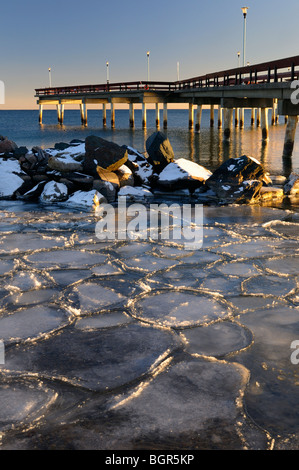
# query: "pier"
263,88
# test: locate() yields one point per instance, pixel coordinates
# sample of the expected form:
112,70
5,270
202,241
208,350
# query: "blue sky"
76,38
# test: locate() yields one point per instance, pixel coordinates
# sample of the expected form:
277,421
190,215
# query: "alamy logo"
183,223
295,354
2,92
295,93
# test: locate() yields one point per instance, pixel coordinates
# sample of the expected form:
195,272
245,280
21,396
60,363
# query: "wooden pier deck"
259,87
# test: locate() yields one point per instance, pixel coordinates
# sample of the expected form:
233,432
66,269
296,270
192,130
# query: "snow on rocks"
87,173
10,181
135,193
54,192
86,199
182,174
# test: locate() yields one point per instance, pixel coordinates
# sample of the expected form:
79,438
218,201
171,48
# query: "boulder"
35,161
20,151
10,178
61,146
64,163
107,189
125,176
234,193
291,186
80,181
137,193
268,193
34,193
7,146
86,199
142,170
102,153
159,150
182,174
236,170
54,192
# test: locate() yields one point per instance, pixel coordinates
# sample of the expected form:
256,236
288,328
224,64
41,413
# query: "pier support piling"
258,117
40,114
219,117
237,110
290,136
131,115
212,115
241,120
112,117
198,117
104,111
157,116
274,113
144,115
264,123
191,116
165,115
228,122
252,121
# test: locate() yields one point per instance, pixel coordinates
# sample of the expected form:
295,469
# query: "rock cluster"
86,173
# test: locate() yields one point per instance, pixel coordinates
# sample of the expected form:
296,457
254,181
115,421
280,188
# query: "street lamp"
148,74
178,70
239,58
244,10
107,65
50,81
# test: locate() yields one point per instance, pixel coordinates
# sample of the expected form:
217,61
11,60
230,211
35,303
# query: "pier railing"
276,71
107,87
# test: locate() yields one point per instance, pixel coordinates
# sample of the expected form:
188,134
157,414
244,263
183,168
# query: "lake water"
143,344
206,147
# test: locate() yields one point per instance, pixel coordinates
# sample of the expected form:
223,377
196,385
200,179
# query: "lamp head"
244,10
148,53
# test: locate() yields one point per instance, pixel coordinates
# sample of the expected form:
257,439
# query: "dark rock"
236,170
33,193
125,176
20,152
81,181
291,186
159,150
61,146
182,174
142,170
77,141
107,189
7,146
54,192
102,153
35,161
234,193
64,164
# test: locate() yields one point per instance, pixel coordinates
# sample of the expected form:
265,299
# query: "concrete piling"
228,122
264,123
131,115
104,111
290,136
165,115
198,117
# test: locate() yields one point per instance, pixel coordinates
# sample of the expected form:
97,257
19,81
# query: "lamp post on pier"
107,70
50,81
244,10
148,72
